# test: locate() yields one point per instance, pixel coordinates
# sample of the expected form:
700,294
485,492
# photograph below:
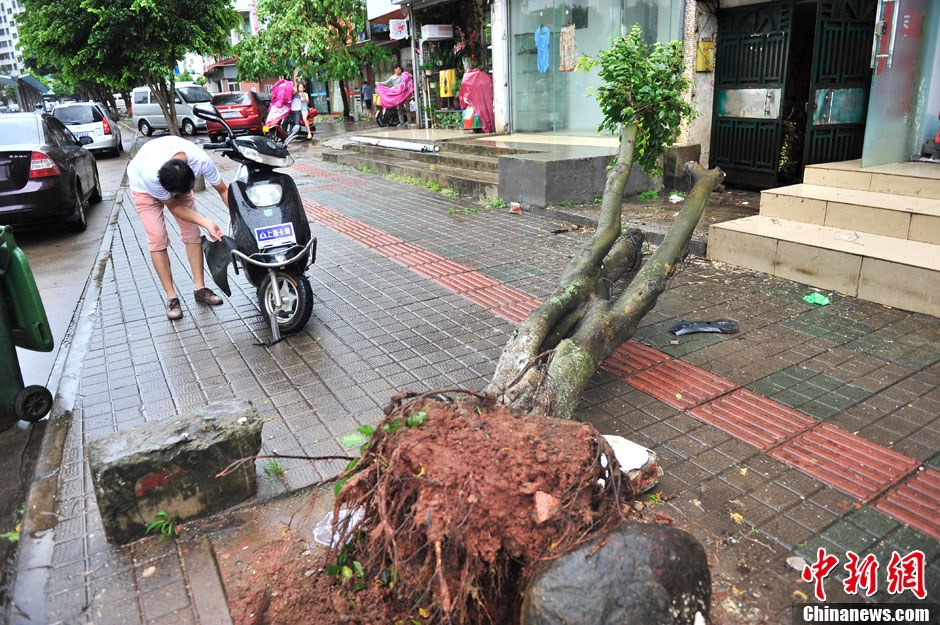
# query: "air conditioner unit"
436,32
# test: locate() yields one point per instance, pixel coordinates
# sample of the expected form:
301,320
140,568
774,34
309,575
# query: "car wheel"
76,222
189,128
145,128
96,191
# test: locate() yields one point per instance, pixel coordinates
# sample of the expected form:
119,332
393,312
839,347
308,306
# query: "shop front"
546,37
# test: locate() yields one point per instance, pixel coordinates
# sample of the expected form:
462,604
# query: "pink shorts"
150,210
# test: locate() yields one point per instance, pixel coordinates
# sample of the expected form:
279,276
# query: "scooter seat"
218,256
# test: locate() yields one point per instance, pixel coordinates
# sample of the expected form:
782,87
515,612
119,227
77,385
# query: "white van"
148,117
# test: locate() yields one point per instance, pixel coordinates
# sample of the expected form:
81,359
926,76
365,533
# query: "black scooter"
269,235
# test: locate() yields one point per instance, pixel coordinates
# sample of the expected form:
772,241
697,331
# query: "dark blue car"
46,174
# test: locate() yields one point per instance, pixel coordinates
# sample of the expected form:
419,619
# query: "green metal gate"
841,80
750,78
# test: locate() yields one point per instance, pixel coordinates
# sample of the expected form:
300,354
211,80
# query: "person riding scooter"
279,112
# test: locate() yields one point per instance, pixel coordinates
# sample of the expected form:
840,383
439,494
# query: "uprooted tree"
466,500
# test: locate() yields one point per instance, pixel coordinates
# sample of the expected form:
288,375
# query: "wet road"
61,261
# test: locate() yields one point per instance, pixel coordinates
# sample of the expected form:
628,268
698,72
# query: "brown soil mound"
463,507
460,509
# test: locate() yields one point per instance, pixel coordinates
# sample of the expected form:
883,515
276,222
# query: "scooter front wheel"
296,300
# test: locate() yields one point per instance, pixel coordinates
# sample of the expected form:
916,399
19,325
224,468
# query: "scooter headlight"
265,194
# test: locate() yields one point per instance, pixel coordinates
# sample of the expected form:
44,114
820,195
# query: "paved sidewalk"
812,427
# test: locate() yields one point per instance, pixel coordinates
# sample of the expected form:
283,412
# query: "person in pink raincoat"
281,95
476,89
397,91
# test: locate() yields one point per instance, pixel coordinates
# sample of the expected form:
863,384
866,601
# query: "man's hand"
212,228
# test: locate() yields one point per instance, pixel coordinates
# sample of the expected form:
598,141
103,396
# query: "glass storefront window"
547,37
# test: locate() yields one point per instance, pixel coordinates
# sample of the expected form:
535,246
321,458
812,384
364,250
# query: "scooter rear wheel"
297,298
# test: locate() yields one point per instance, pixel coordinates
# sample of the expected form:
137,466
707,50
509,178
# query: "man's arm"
186,214
222,188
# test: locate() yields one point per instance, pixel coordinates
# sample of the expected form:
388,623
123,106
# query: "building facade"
11,63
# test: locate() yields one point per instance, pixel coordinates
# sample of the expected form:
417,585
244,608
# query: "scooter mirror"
206,111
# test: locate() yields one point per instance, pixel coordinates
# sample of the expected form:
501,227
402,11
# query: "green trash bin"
23,324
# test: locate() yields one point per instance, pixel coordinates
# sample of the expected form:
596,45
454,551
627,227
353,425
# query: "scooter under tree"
268,233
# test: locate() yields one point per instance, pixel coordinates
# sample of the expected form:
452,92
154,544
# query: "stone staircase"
871,233
469,168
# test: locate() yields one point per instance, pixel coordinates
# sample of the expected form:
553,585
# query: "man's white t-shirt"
142,171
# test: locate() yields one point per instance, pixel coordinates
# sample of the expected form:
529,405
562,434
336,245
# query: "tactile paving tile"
753,419
916,502
680,384
844,461
632,357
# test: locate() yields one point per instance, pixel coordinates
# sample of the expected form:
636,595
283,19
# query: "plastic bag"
816,298
323,531
468,118
376,100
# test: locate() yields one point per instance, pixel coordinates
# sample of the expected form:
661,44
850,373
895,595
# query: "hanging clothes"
476,89
543,40
569,49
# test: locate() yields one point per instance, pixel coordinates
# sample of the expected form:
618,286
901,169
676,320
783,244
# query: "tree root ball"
465,507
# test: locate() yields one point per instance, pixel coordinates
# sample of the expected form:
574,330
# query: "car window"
60,134
223,99
195,94
15,130
77,114
141,97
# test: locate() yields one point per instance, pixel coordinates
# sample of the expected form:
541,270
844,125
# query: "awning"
29,81
9,82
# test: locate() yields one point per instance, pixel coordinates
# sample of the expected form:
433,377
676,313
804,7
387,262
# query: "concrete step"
886,214
463,181
897,272
911,179
458,160
480,147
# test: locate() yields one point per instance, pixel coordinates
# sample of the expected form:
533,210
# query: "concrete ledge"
171,466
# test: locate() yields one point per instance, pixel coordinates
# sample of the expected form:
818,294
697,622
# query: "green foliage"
361,438
165,525
643,85
274,469
13,536
448,120
346,568
123,43
465,211
313,37
648,195
493,203
365,169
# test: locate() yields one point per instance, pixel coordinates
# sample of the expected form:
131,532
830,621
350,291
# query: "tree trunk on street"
345,98
585,320
164,90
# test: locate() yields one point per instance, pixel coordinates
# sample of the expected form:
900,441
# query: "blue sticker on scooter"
271,145
273,236
268,212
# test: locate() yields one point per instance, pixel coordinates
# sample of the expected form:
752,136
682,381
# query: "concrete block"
675,159
837,177
900,286
889,223
925,228
752,251
819,267
171,465
803,209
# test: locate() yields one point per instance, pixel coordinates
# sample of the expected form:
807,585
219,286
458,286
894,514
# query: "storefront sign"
398,29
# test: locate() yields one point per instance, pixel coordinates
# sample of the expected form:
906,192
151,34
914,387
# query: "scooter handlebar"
214,146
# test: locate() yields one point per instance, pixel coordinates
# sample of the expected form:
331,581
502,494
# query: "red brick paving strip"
844,461
754,419
916,502
680,384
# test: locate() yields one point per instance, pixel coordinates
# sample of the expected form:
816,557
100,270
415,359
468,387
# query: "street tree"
462,501
310,38
122,43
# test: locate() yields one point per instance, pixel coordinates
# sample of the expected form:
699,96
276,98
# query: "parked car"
46,174
120,103
147,115
242,110
91,119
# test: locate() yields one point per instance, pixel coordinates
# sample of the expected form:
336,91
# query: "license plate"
82,134
274,236
230,114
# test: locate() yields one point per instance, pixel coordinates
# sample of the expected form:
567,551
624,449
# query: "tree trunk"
584,321
166,98
342,94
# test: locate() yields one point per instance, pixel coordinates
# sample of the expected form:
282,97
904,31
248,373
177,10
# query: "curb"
34,555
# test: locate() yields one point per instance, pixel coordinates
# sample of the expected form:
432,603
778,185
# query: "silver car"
91,119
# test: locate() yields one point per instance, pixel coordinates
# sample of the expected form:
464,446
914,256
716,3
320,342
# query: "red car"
242,110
